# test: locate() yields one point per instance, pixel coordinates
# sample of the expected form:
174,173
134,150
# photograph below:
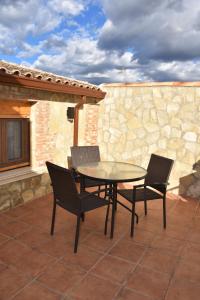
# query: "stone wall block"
173,108
162,118
40,191
153,138
36,181
5,201
15,187
27,195
157,93
16,199
190,136
151,127
159,104
175,133
45,179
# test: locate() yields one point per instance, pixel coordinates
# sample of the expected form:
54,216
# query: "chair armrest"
157,183
138,186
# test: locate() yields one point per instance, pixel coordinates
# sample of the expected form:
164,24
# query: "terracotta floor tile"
18,211
142,236
85,258
14,228
36,219
194,236
56,247
191,253
34,237
61,277
151,283
159,260
152,226
92,287
113,268
168,243
128,250
4,219
176,231
99,242
127,294
183,290
2,266
33,251
195,224
188,271
12,251
10,282
33,262
35,291
3,238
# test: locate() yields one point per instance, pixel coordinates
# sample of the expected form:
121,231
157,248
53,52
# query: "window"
14,143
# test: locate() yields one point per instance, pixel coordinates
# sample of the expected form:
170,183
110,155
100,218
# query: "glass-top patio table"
112,172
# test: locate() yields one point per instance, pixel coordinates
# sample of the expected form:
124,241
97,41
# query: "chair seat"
128,194
92,183
90,201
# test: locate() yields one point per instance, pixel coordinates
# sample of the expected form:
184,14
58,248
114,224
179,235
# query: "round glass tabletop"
112,171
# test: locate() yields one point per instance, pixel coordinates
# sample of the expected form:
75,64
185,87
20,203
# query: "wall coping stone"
152,84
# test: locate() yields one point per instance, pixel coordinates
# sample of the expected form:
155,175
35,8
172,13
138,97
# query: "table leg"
114,200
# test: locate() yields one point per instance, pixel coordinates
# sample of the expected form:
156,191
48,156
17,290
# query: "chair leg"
82,184
77,234
133,218
145,202
83,217
114,199
107,215
99,188
137,218
53,217
164,211
106,192
145,207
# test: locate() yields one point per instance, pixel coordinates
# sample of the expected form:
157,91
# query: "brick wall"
91,124
42,138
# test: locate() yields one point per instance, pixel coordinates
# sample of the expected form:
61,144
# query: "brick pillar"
91,124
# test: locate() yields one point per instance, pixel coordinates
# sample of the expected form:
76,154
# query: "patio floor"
156,264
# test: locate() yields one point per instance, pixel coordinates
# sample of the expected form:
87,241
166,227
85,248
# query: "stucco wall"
135,121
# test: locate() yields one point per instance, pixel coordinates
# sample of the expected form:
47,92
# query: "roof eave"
51,87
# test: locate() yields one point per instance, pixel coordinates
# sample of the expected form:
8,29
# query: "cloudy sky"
104,40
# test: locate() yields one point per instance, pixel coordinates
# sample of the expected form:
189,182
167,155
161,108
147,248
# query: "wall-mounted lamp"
70,114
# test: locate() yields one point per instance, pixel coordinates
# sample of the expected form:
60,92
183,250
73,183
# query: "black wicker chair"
66,196
81,155
154,187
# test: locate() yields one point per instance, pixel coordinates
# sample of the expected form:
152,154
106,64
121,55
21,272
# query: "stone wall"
137,120
24,190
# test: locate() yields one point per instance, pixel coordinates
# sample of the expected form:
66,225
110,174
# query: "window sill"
19,174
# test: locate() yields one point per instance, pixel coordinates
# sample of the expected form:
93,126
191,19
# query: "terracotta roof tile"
23,71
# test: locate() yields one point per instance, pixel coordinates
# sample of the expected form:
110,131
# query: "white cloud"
164,30
139,41
83,60
67,7
21,19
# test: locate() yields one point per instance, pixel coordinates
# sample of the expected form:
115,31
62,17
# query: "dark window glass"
14,140
14,143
